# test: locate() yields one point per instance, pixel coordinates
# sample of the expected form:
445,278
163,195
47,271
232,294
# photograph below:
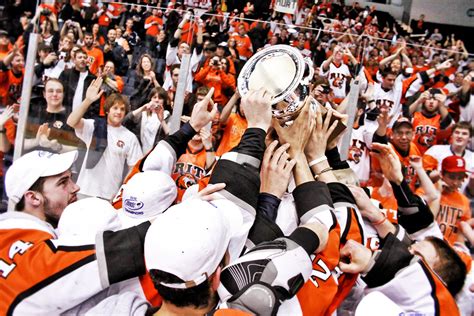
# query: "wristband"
317,160
210,150
380,221
323,171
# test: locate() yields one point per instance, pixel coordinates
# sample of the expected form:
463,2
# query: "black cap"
402,121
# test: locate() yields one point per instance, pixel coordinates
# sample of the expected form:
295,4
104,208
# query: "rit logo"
384,103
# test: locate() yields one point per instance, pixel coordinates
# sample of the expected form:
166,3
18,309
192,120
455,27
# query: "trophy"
285,74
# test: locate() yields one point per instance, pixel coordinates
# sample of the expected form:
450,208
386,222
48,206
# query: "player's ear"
33,198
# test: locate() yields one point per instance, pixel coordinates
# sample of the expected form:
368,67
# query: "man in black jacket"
115,53
75,82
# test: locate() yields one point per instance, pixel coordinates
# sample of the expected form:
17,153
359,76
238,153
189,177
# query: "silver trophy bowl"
285,73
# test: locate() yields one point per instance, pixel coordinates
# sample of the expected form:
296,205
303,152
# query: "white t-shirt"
77,100
359,156
148,129
451,87
337,77
390,99
105,178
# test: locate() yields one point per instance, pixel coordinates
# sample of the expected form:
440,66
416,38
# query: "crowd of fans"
105,84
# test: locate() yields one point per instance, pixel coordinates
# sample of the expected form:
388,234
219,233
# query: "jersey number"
17,247
323,275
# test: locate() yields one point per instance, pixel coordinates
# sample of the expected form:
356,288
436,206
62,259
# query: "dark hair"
211,47
114,98
78,51
388,71
463,125
162,94
88,34
37,186
196,297
450,267
173,67
318,80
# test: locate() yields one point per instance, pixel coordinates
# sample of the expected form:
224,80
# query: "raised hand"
206,138
94,91
276,170
416,162
298,133
444,65
365,205
201,116
7,114
317,143
257,108
389,162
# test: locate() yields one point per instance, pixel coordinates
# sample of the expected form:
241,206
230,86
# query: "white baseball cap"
82,220
190,239
26,170
146,195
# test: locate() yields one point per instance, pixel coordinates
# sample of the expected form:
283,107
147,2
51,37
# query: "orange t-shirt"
187,33
10,87
155,28
409,174
244,45
233,131
95,59
120,85
426,129
189,169
454,208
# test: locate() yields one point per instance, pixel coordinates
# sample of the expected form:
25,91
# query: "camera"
46,12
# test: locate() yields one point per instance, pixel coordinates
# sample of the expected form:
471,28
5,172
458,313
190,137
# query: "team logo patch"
133,205
58,124
120,144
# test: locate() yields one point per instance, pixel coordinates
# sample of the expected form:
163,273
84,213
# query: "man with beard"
432,118
95,57
38,270
11,77
75,82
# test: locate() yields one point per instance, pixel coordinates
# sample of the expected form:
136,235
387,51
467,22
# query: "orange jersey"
188,32
321,283
95,59
233,131
155,28
189,169
454,208
389,204
409,173
244,45
10,87
30,247
426,130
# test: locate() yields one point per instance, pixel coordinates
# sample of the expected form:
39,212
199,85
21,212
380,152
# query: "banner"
286,6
